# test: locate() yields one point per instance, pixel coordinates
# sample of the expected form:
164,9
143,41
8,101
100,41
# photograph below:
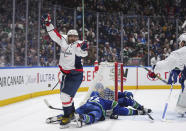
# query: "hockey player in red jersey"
72,51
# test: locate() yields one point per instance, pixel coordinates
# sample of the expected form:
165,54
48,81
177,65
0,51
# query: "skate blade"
64,126
51,120
77,120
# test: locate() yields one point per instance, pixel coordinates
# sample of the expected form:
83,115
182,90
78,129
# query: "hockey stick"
150,116
55,85
155,74
125,73
51,107
45,100
47,103
166,104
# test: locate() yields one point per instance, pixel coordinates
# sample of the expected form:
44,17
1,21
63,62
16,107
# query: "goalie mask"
99,87
108,94
105,93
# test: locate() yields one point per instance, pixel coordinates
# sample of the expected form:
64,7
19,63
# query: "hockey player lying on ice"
175,63
101,104
101,101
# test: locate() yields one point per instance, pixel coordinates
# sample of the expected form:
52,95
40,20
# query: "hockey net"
110,75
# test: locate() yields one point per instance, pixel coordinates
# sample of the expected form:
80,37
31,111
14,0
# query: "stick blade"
46,102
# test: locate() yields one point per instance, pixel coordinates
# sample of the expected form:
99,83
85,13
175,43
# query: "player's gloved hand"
46,19
128,94
84,45
151,74
181,81
173,76
112,116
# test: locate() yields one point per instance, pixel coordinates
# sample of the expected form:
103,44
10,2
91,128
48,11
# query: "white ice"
30,115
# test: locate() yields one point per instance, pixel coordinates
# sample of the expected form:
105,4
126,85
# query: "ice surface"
31,114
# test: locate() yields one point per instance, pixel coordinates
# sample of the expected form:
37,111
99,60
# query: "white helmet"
181,39
72,32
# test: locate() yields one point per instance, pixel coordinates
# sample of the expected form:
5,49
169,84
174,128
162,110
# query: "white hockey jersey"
177,59
70,54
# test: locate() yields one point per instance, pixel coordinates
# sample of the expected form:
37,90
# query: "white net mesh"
105,76
107,94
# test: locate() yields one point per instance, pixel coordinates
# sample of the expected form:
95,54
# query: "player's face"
72,38
181,44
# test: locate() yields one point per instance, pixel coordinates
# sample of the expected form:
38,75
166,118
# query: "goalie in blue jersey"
101,101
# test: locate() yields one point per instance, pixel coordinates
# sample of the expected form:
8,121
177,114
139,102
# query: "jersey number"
94,99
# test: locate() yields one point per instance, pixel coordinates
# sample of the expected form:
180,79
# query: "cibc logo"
153,79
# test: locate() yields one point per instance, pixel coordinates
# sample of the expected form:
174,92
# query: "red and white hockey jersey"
70,54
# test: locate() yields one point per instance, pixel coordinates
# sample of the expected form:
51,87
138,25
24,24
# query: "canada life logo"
153,79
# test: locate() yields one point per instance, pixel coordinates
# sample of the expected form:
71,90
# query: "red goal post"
118,77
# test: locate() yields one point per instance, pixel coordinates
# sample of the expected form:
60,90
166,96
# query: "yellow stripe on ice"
42,93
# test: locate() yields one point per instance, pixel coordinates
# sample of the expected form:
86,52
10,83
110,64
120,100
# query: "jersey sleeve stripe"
57,33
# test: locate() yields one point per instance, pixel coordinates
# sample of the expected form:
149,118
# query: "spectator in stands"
162,28
2,61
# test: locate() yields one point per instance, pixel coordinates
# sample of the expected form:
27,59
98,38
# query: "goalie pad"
181,104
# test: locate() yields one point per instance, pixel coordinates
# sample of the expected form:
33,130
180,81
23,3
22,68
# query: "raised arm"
53,33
